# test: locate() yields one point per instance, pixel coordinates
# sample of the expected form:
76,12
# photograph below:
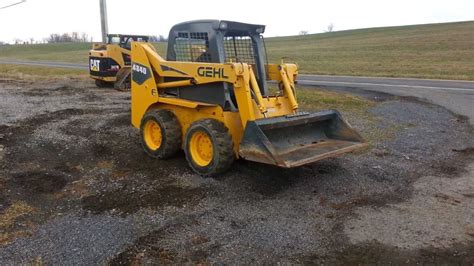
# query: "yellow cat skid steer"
109,63
211,99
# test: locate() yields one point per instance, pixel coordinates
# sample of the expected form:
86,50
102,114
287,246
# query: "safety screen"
239,49
192,47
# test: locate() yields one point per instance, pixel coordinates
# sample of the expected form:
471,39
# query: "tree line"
72,37
78,37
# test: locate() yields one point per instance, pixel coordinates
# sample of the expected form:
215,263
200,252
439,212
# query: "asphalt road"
457,96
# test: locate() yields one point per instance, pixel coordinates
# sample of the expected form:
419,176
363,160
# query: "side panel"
144,91
115,52
103,67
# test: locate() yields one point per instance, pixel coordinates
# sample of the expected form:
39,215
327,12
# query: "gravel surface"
70,154
440,211
73,240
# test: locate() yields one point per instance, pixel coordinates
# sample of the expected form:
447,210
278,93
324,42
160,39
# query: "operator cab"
217,41
125,41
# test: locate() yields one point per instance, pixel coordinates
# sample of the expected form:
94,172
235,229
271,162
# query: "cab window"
192,47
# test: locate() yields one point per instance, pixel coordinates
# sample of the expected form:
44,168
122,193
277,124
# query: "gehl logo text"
211,72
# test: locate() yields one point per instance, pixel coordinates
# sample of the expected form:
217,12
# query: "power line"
22,1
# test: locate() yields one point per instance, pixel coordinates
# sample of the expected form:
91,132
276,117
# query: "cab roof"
222,25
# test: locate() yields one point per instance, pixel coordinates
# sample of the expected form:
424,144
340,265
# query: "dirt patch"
10,226
373,253
127,203
455,166
4,202
153,248
363,200
467,151
267,181
412,220
41,182
40,92
7,80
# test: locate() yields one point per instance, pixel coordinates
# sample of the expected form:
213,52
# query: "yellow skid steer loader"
211,99
109,63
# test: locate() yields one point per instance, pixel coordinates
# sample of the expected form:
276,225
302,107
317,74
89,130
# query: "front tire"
209,148
160,134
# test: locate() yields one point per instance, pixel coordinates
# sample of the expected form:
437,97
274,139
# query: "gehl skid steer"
109,63
211,99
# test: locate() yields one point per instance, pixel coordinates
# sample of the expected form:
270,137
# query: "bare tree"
330,28
84,37
68,37
303,32
157,38
75,37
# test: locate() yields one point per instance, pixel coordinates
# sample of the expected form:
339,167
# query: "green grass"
353,108
161,48
38,72
64,52
440,51
314,100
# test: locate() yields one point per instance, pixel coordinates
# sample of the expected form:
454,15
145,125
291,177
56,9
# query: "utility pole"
14,4
103,20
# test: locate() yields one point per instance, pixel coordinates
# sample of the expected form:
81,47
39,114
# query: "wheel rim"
201,148
152,135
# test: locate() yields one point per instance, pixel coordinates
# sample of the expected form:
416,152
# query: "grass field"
440,51
444,51
36,72
58,52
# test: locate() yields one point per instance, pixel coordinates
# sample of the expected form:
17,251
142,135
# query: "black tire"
223,147
102,84
171,135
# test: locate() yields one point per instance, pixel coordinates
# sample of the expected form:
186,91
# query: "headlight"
223,26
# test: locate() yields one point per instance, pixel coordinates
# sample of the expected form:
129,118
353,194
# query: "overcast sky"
38,18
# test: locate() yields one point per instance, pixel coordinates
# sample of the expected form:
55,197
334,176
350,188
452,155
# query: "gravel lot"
68,153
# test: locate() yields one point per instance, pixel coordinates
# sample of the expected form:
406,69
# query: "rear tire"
102,84
160,134
209,148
